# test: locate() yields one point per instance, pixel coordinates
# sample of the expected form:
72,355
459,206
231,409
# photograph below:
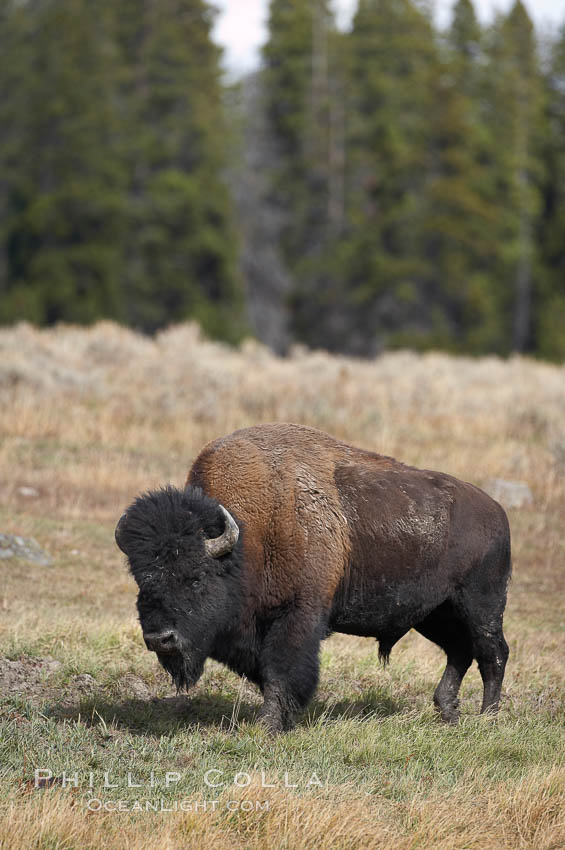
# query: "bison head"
183,552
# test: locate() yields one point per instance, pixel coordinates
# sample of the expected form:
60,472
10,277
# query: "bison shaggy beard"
183,671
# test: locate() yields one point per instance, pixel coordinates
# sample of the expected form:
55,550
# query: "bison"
283,535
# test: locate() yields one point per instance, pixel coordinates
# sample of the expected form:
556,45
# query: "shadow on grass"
370,704
155,717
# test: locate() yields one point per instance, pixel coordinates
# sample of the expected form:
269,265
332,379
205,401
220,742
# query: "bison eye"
196,582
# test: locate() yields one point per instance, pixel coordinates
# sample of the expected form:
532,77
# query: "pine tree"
62,261
550,302
464,39
296,86
14,74
112,146
460,222
514,97
379,266
302,101
180,255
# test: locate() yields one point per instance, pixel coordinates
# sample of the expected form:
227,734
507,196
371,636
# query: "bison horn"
217,546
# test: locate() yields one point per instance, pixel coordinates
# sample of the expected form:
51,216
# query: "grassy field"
88,419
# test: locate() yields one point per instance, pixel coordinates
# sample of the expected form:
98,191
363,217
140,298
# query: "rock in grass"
84,682
510,494
28,492
26,548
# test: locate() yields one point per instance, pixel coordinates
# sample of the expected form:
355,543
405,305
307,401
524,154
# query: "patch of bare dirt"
34,679
28,677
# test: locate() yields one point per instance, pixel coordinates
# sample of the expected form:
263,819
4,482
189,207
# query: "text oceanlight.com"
184,805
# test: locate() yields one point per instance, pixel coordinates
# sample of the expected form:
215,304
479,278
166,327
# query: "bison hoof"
273,721
490,713
451,717
448,712
270,723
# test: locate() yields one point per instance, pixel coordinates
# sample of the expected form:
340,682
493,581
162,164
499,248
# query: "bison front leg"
289,670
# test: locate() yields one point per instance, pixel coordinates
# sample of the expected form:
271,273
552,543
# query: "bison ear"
119,533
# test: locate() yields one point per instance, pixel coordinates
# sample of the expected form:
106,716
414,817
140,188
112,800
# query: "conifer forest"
392,185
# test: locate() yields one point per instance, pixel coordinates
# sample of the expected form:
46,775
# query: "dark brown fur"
335,538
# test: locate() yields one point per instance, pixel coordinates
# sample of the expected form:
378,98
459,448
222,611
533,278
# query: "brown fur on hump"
279,481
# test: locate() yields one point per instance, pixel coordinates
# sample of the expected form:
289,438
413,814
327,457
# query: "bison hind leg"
448,630
484,600
492,654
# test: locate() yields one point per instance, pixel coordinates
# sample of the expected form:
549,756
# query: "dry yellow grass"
89,418
504,819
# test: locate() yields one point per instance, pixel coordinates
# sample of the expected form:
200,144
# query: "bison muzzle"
283,535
